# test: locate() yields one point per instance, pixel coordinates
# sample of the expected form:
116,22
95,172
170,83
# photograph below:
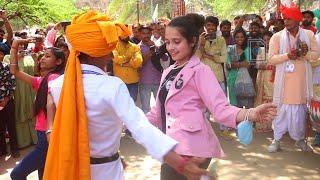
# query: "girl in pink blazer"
187,89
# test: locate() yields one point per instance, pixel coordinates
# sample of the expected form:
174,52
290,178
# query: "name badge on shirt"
289,67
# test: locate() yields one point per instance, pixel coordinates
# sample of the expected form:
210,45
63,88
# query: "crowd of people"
83,80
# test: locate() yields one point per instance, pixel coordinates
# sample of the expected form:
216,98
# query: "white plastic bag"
244,86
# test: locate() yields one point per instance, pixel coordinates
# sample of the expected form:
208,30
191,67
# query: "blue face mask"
245,132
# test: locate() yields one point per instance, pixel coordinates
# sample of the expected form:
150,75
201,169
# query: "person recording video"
212,50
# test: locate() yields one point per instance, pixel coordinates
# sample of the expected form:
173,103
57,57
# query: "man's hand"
58,27
3,15
192,170
202,39
264,112
188,167
304,48
4,102
293,55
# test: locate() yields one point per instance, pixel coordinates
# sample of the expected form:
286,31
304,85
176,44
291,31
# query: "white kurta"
109,105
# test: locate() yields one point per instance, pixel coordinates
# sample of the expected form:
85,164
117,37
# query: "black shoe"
15,154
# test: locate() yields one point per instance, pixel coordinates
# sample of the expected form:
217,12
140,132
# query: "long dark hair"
40,103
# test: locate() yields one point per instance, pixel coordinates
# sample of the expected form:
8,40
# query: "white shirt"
109,105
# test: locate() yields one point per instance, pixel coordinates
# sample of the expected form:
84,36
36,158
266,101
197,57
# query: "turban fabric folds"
292,12
68,155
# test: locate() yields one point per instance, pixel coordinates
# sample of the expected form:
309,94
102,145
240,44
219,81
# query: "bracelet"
13,64
49,131
182,165
246,117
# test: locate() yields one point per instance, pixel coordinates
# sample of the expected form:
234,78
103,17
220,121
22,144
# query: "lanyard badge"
289,67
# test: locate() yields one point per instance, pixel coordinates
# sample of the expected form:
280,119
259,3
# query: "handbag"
244,86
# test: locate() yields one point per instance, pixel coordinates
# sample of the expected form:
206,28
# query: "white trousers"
292,119
108,171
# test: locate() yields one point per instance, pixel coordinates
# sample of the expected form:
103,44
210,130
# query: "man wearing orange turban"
91,107
291,51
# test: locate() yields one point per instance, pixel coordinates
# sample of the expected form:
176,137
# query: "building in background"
179,8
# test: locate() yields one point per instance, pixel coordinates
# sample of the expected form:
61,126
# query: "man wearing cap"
307,21
291,51
91,107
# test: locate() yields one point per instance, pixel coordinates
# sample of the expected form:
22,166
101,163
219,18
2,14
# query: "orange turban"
68,155
292,12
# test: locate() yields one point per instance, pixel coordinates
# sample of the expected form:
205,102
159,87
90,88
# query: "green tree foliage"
126,10
38,12
230,8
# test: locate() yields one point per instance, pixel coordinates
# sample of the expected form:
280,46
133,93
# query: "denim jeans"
145,95
35,160
133,90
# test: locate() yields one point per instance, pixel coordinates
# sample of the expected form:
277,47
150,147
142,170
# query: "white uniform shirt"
108,105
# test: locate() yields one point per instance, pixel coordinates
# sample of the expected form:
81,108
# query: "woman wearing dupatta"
238,56
264,83
24,96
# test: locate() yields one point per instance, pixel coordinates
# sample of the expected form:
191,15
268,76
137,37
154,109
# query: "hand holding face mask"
261,113
245,130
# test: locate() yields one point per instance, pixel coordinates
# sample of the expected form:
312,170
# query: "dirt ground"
251,162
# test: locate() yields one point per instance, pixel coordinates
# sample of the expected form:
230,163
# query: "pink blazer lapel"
183,77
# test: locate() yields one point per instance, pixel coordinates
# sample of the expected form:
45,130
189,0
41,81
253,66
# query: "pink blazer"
185,107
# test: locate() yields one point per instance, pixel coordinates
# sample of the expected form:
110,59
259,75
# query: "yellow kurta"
127,53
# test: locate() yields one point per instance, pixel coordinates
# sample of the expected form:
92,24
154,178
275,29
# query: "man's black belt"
104,159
